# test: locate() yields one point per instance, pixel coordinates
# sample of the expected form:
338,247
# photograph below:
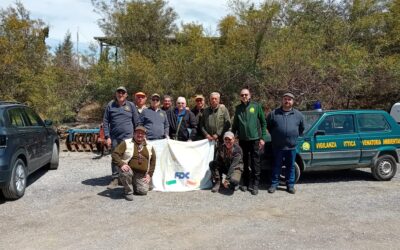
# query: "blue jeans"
283,158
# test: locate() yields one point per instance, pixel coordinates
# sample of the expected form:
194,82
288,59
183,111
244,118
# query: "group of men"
128,126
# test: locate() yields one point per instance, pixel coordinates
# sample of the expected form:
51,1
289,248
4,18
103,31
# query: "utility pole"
77,45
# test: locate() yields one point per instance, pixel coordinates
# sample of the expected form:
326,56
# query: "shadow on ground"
36,176
31,179
114,194
336,176
100,181
324,177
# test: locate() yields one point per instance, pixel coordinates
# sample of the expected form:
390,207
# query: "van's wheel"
17,185
385,168
54,157
282,178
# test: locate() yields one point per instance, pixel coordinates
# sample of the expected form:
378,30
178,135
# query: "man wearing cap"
250,126
136,161
155,120
120,118
285,124
228,161
140,101
198,110
216,120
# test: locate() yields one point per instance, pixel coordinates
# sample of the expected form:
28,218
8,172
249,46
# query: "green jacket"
249,122
215,121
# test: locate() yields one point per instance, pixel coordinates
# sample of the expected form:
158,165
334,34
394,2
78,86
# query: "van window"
372,123
338,124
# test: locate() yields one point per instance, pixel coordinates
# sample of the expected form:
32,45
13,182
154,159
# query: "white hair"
181,99
215,94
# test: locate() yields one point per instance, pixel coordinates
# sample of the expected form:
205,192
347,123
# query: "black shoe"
271,190
291,190
243,188
233,187
215,188
254,191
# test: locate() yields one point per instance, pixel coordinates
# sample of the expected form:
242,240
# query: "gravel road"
70,208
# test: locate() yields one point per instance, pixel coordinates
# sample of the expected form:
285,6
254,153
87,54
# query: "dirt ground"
70,208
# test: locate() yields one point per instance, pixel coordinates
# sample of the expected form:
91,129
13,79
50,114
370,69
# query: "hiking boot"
113,184
291,190
271,190
242,188
254,191
128,197
215,188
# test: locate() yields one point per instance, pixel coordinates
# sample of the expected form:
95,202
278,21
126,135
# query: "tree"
64,54
23,52
137,25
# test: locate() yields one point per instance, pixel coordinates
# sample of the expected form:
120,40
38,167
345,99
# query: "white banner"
182,166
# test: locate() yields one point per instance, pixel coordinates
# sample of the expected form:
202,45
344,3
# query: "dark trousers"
283,158
232,174
114,168
251,163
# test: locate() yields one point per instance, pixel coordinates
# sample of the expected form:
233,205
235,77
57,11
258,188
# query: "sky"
78,17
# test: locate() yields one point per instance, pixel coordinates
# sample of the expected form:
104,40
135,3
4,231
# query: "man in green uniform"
250,126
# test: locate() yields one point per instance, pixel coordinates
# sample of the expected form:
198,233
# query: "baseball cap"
155,95
140,94
289,95
121,88
199,97
229,134
140,127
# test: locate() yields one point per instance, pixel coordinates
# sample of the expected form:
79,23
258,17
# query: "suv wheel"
54,157
282,178
17,185
385,168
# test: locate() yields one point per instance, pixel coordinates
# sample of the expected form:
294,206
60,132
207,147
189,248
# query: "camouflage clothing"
141,160
229,163
136,180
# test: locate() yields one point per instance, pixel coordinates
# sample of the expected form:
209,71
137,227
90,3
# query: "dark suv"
27,143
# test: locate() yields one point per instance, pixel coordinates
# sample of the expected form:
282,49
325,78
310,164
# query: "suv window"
338,124
16,117
1,118
372,123
33,118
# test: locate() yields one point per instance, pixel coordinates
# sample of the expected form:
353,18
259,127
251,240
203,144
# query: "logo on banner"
182,175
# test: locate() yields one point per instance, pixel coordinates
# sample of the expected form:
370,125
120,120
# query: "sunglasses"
243,95
155,100
121,92
199,100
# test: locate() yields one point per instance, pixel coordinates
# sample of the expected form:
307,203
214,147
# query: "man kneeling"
229,161
136,161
